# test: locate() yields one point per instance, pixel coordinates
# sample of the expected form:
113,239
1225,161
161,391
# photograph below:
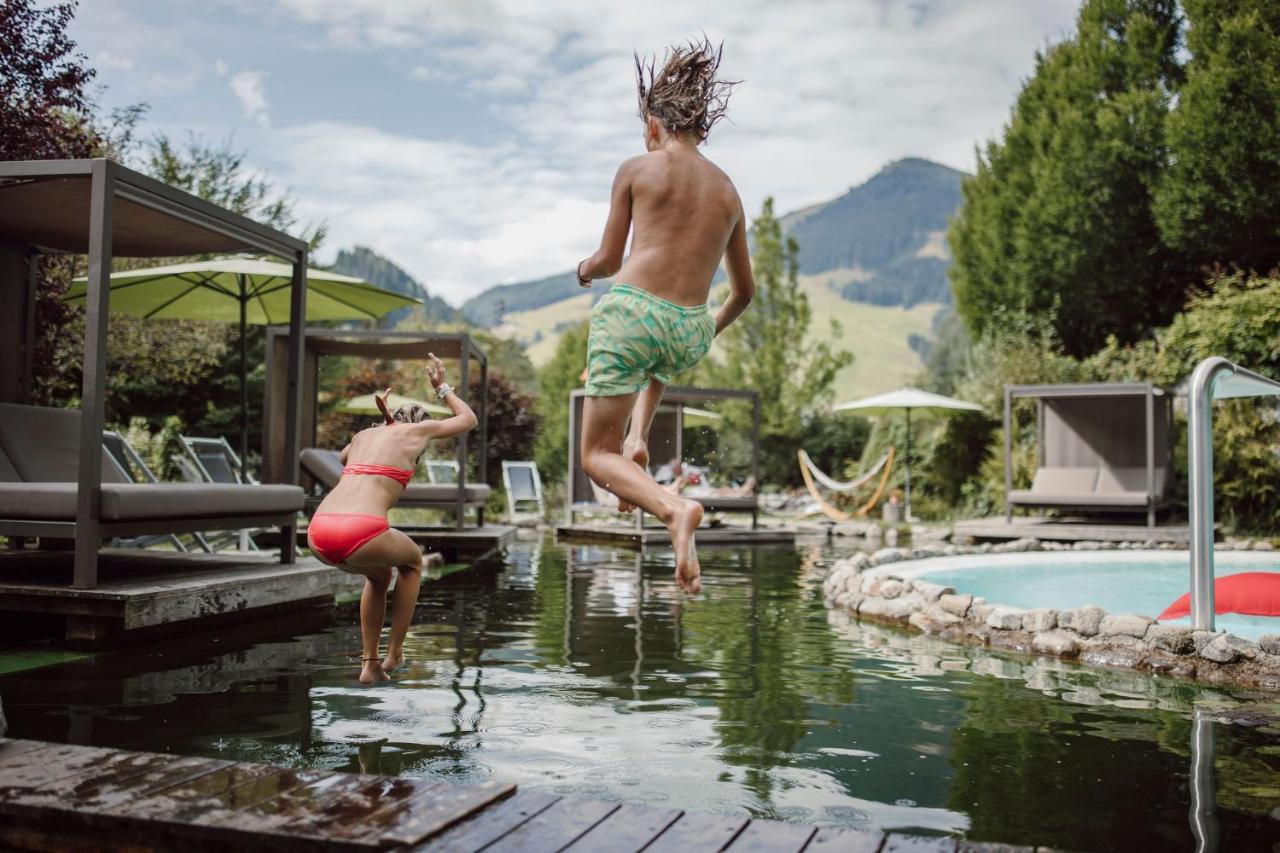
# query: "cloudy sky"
473,141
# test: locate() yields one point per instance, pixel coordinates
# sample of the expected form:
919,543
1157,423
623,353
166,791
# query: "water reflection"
582,670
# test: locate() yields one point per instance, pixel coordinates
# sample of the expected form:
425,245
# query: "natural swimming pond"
581,670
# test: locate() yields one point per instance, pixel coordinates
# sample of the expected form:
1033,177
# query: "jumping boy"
686,216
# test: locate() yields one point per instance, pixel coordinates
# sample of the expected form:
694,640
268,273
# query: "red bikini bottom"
334,536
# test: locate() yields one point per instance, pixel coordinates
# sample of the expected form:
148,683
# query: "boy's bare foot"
688,570
638,452
371,672
393,660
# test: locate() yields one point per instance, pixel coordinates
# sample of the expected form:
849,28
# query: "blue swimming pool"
1144,582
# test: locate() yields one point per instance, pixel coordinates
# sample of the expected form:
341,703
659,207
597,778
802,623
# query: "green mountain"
363,262
882,243
885,238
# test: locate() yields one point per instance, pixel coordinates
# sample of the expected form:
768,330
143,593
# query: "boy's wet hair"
411,413
685,95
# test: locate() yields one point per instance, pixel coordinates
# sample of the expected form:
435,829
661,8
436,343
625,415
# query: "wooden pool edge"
63,796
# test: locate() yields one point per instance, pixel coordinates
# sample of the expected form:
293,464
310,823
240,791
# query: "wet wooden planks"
130,800
60,795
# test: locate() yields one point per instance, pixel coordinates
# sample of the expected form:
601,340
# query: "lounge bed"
39,454
325,467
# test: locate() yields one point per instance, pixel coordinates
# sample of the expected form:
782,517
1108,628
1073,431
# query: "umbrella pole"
244,388
908,515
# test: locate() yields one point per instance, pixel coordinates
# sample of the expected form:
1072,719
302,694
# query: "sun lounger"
325,467
523,485
39,455
136,470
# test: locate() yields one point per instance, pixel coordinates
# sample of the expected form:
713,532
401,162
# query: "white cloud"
250,88
107,59
220,68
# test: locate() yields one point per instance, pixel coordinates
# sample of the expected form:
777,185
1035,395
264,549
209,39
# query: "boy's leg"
393,548
636,445
603,423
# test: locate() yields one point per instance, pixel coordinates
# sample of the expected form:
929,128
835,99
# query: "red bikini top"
400,475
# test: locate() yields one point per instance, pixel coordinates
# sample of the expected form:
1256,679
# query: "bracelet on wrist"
443,391
582,282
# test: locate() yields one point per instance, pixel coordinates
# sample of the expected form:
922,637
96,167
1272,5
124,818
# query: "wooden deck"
1070,530
141,593
618,534
59,796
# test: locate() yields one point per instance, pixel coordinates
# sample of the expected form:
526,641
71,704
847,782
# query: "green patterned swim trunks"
636,335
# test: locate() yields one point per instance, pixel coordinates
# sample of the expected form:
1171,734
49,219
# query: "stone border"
1088,634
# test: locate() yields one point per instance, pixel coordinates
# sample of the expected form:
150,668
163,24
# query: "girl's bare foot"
638,452
682,527
371,671
393,660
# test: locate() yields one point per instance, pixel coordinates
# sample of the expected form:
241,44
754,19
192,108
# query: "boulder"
871,584
1170,638
888,555
958,604
890,609
1042,619
1005,618
931,591
1263,545
1219,650
891,588
932,621
1270,643
1125,625
979,612
1086,620
1057,643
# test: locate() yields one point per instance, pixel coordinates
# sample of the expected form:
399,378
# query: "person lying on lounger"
683,215
349,529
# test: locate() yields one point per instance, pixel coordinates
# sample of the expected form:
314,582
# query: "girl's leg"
602,425
636,445
373,611
393,548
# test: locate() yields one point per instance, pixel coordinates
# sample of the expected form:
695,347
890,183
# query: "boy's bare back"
684,210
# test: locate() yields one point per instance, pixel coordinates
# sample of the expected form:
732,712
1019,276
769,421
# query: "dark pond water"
582,671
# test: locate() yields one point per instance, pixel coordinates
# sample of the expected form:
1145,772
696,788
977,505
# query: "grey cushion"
726,503
1120,480
324,465
1068,481
429,493
139,502
8,474
1027,497
43,445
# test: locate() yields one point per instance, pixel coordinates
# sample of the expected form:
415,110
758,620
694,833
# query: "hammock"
811,472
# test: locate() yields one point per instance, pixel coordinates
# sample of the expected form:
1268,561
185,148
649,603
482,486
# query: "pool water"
1144,582
582,671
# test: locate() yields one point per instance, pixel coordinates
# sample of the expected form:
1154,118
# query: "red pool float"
1248,593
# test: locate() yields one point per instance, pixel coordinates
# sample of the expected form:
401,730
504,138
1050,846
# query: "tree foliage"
557,378
769,349
1219,200
1057,221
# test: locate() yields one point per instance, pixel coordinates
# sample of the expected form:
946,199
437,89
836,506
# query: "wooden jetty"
640,537
142,593
1070,530
61,796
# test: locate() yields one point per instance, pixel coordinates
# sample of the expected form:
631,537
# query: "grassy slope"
876,334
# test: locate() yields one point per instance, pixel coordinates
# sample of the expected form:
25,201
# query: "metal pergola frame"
109,183
679,396
1083,390
374,343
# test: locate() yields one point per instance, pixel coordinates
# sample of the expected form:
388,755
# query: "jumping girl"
349,529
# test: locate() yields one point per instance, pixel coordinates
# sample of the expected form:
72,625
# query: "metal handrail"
1215,378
